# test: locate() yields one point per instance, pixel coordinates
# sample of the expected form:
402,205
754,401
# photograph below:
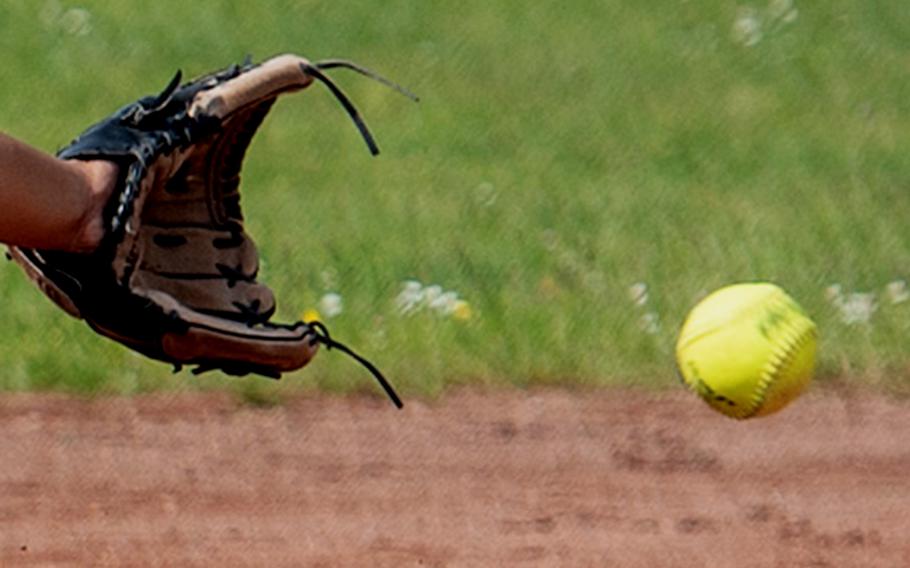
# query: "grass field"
578,173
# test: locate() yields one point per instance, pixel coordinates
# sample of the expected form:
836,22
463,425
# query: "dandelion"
310,315
897,292
462,311
331,305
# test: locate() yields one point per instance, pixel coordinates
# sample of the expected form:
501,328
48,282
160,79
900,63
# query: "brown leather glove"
175,277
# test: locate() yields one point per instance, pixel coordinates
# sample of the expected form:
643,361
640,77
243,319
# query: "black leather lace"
320,332
321,335
314,71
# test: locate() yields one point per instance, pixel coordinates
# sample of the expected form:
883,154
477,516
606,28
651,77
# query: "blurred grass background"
578,173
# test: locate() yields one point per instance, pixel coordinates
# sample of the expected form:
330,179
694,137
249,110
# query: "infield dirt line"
536,478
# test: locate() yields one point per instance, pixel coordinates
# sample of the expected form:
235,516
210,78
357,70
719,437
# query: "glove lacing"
314,71
319,331
321,335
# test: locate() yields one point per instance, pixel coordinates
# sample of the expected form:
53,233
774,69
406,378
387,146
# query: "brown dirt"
542,478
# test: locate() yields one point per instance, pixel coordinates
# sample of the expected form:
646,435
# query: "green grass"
562,153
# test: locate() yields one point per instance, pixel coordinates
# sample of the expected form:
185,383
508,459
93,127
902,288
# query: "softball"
747,349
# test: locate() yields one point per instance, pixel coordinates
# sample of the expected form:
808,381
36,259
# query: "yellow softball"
747,349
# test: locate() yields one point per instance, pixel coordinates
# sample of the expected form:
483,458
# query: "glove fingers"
197,250
278,75
207,338
243,301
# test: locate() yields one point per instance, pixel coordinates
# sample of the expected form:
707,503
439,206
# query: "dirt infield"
541,478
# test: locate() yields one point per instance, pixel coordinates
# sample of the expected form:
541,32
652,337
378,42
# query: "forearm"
46,202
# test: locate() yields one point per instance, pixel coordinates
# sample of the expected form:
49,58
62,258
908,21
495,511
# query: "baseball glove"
175,277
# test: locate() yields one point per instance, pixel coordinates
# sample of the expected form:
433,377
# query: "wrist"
100,178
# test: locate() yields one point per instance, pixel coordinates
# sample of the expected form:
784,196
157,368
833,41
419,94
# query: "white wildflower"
329,278
410,297
650,323
638,293
747,27
897,292
834,293
857,308
782,10
76,21
431,293
444,304
485,195
415,297
330,305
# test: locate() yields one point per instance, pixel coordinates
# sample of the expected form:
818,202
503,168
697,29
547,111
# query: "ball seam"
796,336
